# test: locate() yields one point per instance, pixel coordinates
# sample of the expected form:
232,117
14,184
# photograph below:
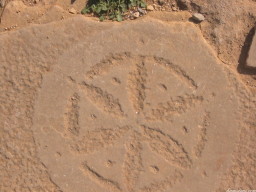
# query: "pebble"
183,4
150,8
161,2
2,3
72,11
198,17
142,11
136,14
174,9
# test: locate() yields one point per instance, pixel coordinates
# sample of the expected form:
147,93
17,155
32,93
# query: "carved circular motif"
133,123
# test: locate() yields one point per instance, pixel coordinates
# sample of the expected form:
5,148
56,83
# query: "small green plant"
111,9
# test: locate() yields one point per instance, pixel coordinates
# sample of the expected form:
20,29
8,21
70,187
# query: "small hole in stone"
116,81
154,169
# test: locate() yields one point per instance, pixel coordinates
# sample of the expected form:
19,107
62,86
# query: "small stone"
251,59
174,9
198,17
2,3
154,169
150,8
72,11
109,163
143,12
183,4
161,2
136,14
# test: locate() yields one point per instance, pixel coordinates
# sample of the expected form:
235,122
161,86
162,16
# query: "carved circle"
84,120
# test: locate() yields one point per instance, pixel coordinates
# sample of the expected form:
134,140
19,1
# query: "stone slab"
251,60
25,55
141,106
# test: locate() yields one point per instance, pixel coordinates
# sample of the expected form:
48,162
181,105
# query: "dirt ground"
159,103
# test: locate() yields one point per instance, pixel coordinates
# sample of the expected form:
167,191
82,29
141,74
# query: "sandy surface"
157,104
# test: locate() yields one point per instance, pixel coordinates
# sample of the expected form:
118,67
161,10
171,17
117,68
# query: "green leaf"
102,18
85,10
111,9
133,4
98,10
93,8
104,8
143,5
119,17
123,6
111,17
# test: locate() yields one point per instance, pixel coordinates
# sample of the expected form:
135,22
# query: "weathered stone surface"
25,55
251,60
170,16
125,94
136,106
17,15
16,12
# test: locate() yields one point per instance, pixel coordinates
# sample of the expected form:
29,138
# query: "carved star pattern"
158,141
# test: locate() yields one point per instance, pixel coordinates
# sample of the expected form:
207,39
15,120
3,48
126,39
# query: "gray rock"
183,4
142,11
198,17
251,60
161,2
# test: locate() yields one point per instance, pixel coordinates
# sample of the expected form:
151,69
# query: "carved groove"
162,186
202,137
103,100
137,80
107,64
177,71
97,178
97,140
167,148
133,162
174,107
72,116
